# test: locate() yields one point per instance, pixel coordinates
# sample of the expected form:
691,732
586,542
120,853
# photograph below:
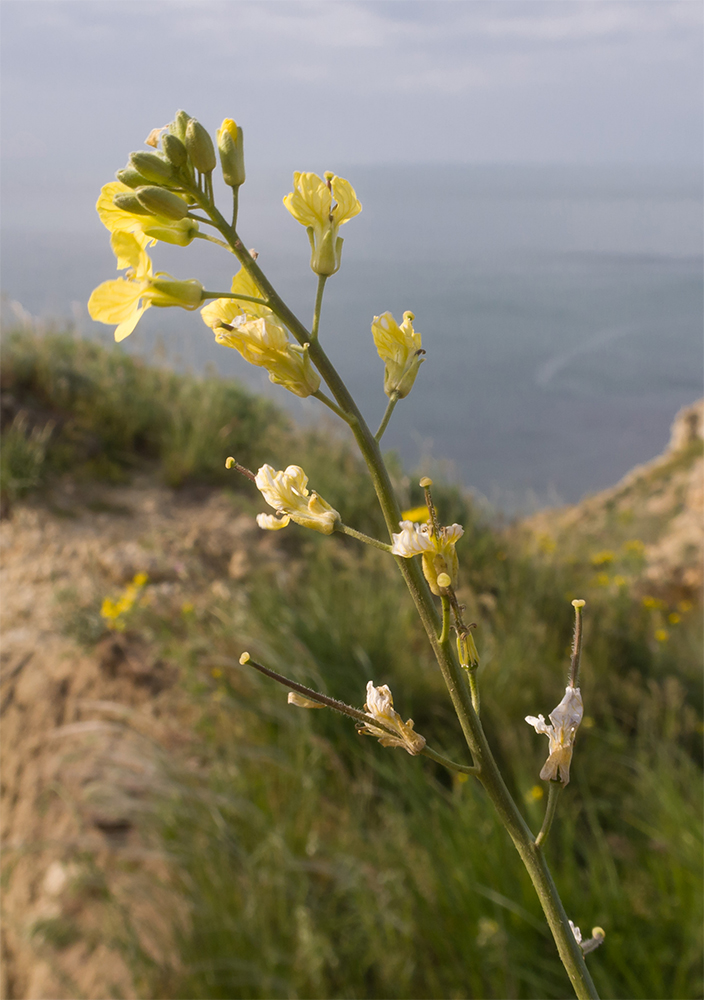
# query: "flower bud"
130,203
178,126
131,178
170,292
152,167
200,147
231,149
174,150
164,203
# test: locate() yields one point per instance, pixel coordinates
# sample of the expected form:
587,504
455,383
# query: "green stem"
490,776
445,634
235,205
449,764
213,239
576,644
352,713
473,687
361,537
393,400
233,295
322,278
331,405
554,789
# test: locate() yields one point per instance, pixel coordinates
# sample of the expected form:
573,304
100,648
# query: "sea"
561,309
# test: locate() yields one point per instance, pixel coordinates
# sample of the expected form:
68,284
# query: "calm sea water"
561,310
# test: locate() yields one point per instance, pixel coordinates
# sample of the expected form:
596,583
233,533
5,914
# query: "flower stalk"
261,334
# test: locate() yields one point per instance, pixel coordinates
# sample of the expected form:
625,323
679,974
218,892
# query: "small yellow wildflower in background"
634,545
653,603
602,558
661,635
534,794
113,612
620,581
602,579
546,543
419,514
685,606
674,618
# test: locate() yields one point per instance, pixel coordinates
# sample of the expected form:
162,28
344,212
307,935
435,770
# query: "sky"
317,84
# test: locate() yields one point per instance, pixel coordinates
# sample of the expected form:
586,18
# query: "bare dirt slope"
660,503
85,736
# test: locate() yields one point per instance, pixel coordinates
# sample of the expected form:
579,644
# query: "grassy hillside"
312,862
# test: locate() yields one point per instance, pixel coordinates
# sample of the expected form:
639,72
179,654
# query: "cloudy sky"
321,83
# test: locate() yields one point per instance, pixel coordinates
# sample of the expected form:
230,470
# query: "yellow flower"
147,229
228,310
602,558
286,492
380,708
254,331
399,347
311,204
565,719
438,552
661,635
123,300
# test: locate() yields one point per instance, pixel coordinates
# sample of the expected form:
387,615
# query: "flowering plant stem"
485,767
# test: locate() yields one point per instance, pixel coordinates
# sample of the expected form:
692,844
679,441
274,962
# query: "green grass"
315,863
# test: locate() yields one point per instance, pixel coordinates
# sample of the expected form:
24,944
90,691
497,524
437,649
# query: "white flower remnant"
592,943
380,708
287,493
438,551
565,719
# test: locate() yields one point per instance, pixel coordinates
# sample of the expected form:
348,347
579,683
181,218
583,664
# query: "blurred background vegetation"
314,863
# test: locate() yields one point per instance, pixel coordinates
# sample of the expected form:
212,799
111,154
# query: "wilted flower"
438,551
380,708
592,943
565,719
286,492
123,300
311,204
399,347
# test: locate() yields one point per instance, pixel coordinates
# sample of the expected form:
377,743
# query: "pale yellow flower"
254,331
228,310
322,206
287,493
438,552
123,300
147,229
399,347
380,708
565,719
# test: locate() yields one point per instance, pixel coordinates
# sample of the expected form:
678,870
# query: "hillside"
109,729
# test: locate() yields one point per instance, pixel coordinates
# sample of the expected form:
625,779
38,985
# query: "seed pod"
163,203
200,147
